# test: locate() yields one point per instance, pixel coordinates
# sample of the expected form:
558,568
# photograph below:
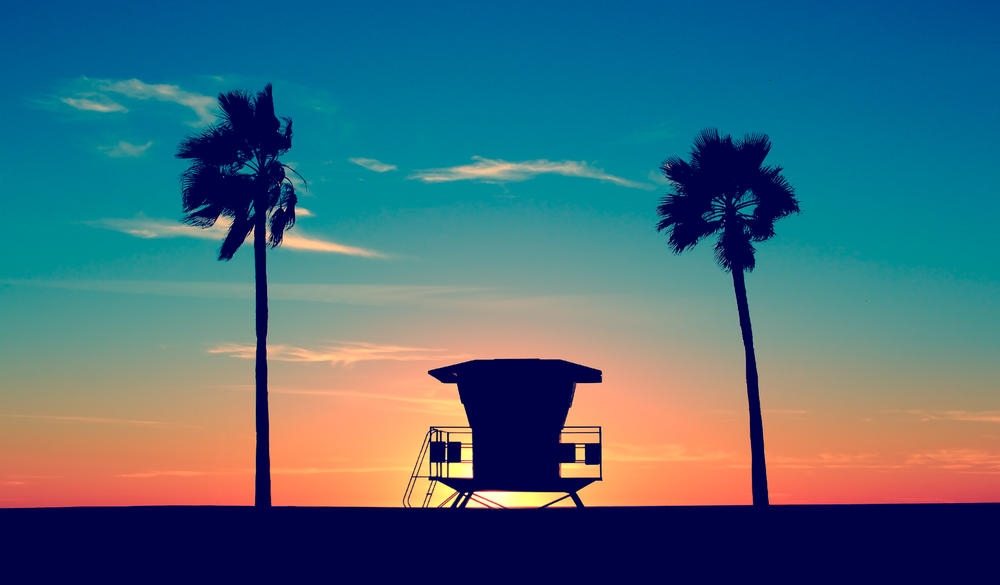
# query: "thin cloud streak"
965,460
344,353
952,460
986,416
95,95
103,106
324,470
426,405
202,105
831,461
373,164
351,294
500,171
174,473
195,473
156,228
89,419
437,405
126,149
296,241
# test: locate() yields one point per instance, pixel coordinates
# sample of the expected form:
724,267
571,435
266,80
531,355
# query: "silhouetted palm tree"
235,173
726,190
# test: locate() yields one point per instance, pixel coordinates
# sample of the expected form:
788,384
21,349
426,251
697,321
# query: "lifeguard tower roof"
523,370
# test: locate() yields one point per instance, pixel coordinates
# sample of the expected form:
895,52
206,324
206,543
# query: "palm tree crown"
235,171
727,190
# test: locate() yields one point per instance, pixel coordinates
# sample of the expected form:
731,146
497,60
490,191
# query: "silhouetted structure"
517,410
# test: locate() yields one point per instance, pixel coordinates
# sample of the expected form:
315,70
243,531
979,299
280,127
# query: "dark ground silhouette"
803,544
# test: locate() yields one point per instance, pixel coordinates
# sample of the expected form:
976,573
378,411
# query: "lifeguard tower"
516,440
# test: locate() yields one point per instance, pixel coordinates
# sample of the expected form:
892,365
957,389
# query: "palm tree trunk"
758,468
262,478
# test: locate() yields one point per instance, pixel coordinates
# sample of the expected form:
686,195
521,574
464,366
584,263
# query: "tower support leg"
576,499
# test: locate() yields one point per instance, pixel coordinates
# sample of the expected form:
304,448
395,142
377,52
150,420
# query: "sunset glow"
482,184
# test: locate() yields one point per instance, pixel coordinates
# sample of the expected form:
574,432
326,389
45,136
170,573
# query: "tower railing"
446,454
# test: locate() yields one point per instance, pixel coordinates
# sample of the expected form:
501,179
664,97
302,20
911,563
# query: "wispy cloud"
500,171
964,460
88,419
95,95
194,473
666,453
426,403
405,402
787,411
353,294
126,149
342,353
141,227
831,461
99,104
373,165
767,411
957,460
202,105
322,470
657,178
298,241
985,416
175,473
155,228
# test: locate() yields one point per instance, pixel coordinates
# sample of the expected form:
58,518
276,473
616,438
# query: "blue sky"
493,173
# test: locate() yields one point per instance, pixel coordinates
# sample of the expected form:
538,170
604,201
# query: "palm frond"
199,184
775,196
203,217
237,234
283,217
288,197
677,171
216,145
205,186
299,175
286,135
237,111
753,149
685,220
266,125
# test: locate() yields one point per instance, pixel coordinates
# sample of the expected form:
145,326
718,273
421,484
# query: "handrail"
416,468
584,460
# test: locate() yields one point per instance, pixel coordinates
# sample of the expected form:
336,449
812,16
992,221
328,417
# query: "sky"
482,182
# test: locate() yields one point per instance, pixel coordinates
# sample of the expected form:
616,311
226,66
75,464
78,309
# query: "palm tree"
727,191
235,173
